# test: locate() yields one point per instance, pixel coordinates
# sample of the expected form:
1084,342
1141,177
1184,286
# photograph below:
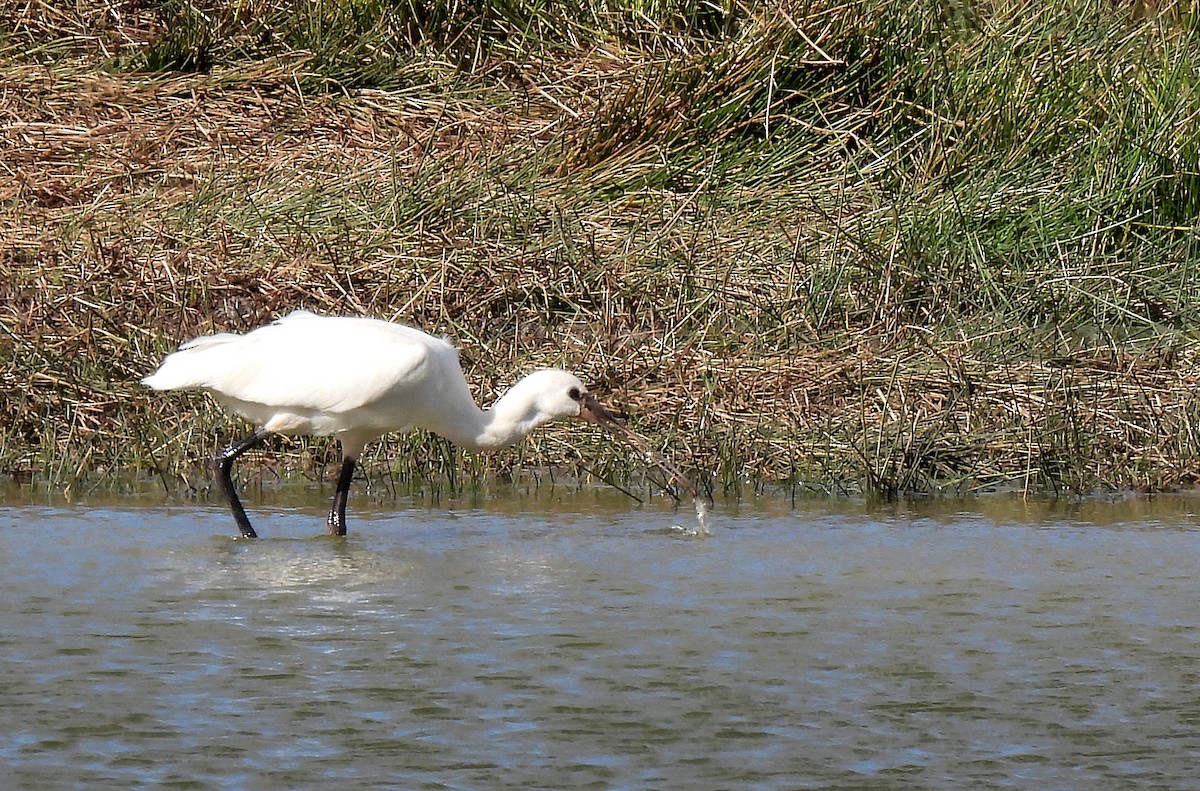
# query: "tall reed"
886,247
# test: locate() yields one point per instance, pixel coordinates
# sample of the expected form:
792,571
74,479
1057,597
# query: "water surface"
580,642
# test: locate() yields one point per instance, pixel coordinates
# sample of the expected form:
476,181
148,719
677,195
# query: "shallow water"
579,642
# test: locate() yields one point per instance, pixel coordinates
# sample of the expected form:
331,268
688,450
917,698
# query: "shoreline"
852,270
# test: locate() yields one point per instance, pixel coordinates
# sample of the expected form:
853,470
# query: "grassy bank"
888,247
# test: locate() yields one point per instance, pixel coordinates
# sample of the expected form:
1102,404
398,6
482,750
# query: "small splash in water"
701,530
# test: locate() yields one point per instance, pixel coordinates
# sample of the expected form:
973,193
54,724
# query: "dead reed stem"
747,230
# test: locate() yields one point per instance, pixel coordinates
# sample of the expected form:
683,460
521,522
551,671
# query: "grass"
887,247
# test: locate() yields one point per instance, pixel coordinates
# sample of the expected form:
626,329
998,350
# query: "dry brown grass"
754,307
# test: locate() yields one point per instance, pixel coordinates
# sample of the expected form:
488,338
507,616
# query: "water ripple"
793,649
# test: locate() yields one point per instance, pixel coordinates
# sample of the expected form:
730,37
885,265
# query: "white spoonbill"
357,379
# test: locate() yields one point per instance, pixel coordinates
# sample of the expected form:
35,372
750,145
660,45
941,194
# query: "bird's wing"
319,363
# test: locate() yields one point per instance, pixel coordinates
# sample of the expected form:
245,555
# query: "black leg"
337,514
222,466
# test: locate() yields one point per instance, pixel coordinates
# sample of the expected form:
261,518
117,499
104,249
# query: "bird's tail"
190,366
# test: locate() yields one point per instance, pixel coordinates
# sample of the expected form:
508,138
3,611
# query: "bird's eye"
574,394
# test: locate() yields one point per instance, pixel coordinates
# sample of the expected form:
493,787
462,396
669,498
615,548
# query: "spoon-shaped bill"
591,410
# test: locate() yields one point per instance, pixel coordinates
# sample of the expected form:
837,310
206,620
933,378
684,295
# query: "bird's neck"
508,420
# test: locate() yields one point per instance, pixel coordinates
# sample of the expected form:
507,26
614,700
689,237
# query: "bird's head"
562,395
556,394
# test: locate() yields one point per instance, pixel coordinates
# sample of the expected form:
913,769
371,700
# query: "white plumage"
356,379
